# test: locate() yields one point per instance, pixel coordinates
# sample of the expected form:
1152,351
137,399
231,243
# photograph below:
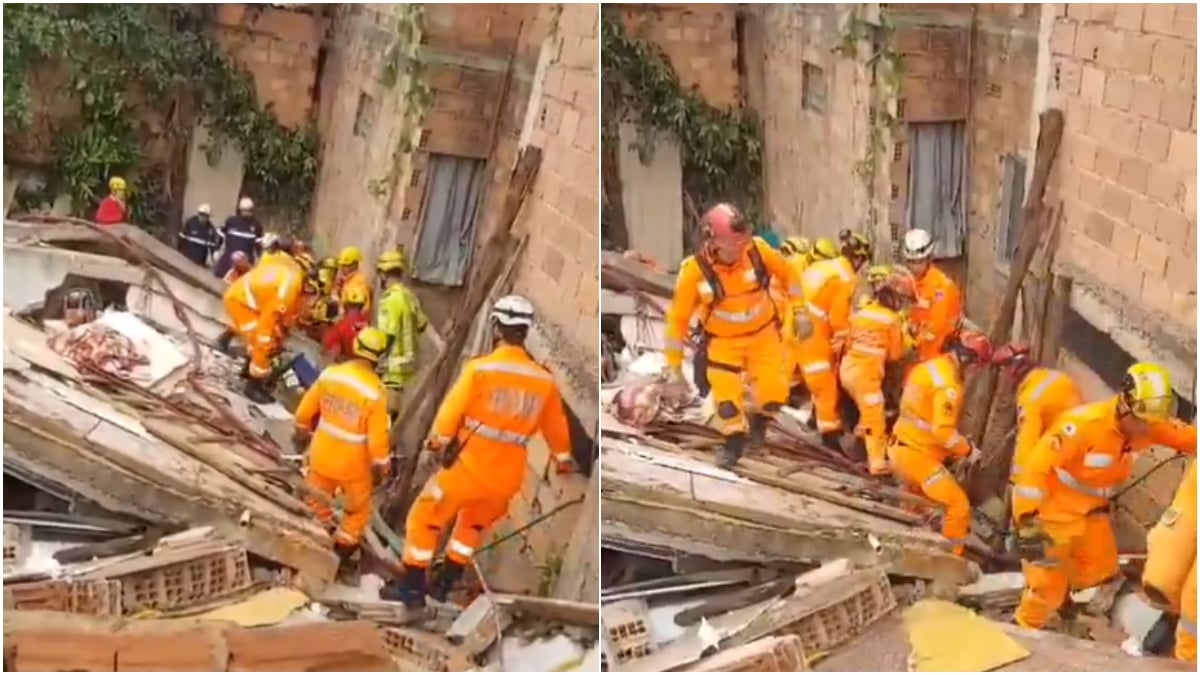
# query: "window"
364,115
935,184
454,188
1012,200
812,88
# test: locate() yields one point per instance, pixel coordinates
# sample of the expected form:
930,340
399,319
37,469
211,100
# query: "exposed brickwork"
935,73
279,48
800,197
1126,79
700,41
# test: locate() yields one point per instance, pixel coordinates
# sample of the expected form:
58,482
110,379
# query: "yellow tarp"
948,638
261,609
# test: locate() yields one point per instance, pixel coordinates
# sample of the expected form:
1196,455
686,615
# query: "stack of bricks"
1125,77
700,41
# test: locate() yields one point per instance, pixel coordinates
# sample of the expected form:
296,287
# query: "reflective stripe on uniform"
873,398
418,554
1073,483
195,240
244,235
1187,625
750,276
1027,492
877,314
514,369
704,288
248,326
935,477
488,431
1097,460
816,367
460,548
816,311
341,434
868,351
248,291
1040,390
951,442
342,378
285,286
935,375
740,317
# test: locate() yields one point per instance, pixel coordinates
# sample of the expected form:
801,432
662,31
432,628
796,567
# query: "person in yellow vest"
350,274
1169,579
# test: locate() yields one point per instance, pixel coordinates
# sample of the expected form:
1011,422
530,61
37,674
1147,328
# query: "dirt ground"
884,648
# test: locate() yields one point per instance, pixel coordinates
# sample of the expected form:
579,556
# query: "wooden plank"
621,274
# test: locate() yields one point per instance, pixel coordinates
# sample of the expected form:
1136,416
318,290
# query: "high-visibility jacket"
352,433
111,211
735,302
929,409
937,311
1170,573
271,291
497,404
875,336
1042,396
355,279
828,288
401,317
1084,458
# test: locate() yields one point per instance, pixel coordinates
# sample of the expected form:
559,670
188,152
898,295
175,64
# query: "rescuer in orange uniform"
261,306
1042,395
926,434
938,310
498,403
350,275
1060,497
828,288
1169,579
729,282
348,447
876,338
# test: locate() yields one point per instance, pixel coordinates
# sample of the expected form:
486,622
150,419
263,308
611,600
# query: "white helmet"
245,204
513,310
269,240
918,245
205,209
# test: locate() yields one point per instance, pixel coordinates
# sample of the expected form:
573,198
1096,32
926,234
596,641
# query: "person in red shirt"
112,207
339,339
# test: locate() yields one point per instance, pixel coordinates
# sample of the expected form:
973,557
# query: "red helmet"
971,347
1015,359
725,225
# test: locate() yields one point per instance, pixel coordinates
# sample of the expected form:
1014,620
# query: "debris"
778,654
946,637
266,608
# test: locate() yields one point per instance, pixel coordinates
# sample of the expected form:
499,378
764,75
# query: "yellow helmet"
877,274
801,245
370,344
825,249
1146,391
351,255
392,261
117,184
328,263
355,295
855,245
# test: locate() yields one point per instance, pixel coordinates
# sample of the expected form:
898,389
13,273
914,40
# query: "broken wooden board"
619,272
80,441
657,499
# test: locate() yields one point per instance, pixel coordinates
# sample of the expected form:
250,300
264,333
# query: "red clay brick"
1115,202
1143,213
342,646
1166,186
1182,154
1154,141
1092,84
1099,228
1134,174
1181,271
1108,163
1158,17
1118,91
1062,38
62,650
1175,229
1152,255
1178,107
1080,11
1087,42
1129,15
1168,60
1125,241
1137,54
1147,98
195,650
1103,13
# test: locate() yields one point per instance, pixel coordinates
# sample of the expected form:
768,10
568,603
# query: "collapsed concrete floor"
797,559
151,499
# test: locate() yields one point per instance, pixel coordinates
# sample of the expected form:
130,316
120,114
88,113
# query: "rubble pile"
168,532
794,559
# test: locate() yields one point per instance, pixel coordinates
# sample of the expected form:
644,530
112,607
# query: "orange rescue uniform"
936,313
1066,481
498,403
876,338
1170,574
351,436
926,435
1042,396
262,305
798,263
356,279
743,326
828,288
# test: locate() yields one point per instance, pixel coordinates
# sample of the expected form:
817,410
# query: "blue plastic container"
305,372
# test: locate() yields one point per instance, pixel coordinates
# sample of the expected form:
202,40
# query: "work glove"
676,390
1031,542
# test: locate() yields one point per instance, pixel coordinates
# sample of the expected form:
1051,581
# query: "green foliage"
130,63
402,64
721,149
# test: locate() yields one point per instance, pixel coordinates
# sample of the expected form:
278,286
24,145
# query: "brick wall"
279,48
809,154
1125,77
700,41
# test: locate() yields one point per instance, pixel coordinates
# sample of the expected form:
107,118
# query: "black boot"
224,340
411,588
732,452
446,579
255,391
832,440
758,430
